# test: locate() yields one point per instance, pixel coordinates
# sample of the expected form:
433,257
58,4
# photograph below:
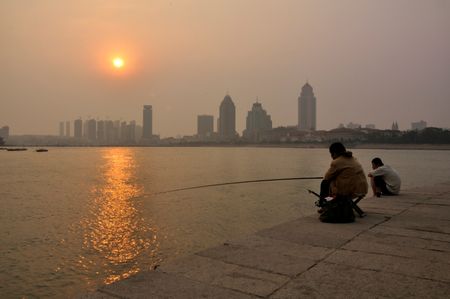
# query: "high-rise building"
227,119
258,121
147,126
4,132
205,125
101,131
418,126
85,128
61,129
110,132
78,128
307,109
92,129
123,131
67,128
138,133
132,132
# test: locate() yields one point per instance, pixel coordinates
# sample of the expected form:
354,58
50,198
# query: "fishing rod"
237,182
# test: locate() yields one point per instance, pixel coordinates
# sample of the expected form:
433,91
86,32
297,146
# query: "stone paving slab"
432,211
341,281
437,189
96,295
384,205
226,275
415,221
424,235
273,246
439,200
372,242
310,231
157,284
288,265
392,264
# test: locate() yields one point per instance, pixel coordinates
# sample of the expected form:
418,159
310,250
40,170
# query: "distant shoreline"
359,146
405,146
281,145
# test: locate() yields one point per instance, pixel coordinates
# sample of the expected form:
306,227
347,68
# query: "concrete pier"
400,249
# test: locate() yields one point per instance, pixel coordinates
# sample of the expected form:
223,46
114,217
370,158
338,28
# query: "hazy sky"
373,61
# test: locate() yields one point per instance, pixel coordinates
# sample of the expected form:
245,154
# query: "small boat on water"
41,150
16,149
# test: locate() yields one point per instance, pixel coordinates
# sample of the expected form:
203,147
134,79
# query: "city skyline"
368,60
257,120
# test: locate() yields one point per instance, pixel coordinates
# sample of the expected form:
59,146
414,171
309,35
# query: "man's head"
376,162
337,149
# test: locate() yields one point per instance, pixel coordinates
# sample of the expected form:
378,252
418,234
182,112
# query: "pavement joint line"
381,254
414,237
111,294
220,287
245,266
429,231
390,272
434,204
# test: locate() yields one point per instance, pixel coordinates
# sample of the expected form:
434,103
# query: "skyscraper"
147,130
257,121
67,128
78,128
205,125
101,132
4,132
307,109
92,129
227,119
61,129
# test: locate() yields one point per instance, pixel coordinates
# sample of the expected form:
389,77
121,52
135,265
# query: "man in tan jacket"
344,181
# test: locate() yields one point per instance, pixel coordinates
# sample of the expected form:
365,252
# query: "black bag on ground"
338,210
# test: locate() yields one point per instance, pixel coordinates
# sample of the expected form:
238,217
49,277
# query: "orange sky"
368,61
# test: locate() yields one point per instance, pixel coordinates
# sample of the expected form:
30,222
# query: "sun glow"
118,62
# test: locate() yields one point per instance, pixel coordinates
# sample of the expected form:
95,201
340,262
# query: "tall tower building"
92,129
78,128
205,125
101,132
147,126
227,119
257,121
4,132
61,129
307,109
67,128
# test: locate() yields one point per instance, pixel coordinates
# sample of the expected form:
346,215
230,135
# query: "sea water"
73,219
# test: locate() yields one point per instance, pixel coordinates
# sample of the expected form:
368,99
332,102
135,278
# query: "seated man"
384,179
344,181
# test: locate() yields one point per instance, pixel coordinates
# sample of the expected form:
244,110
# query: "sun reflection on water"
115,233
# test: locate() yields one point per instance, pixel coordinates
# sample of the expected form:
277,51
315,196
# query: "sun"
118,62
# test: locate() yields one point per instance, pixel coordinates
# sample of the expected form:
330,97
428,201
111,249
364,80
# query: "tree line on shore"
429,135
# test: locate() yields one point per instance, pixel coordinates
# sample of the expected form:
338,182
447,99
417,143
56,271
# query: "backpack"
337,210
